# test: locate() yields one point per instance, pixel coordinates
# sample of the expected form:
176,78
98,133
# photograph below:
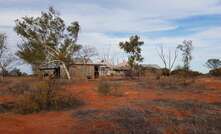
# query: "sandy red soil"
64,121
42,123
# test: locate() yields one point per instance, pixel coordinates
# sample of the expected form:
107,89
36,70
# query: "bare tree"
87,53
6,58
109,57
106,58
168,58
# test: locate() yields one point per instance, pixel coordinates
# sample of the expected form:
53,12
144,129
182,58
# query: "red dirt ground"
63,122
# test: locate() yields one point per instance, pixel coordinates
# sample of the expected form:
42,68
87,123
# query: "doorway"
96,72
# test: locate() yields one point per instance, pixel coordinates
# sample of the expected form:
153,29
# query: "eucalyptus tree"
186,48
213,63
46,39
133,49
6,57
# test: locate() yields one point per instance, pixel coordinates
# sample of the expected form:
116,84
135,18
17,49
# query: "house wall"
152,73
104,71
46,73
82,71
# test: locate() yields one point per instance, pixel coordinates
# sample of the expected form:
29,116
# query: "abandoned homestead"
82,71
77,71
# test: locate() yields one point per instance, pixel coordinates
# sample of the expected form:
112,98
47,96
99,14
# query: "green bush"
215,72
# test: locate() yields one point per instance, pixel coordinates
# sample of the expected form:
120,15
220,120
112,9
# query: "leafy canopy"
186,49
6,58
2,44
213,63
133,49
48,31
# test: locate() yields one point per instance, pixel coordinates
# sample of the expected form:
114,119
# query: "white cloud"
19,1
202,41
98,18
210,34
172,8
135,16
8,17
121,15
203,49
104,43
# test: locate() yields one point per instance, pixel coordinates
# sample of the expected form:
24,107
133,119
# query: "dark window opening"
96,72
57,73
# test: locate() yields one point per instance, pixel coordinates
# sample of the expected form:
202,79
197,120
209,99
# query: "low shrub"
45,101
109,88
5,107
171,83
165,72
45,98
24,87
187,105
129,74
146,84
87,114
116,90
124,120
185,73
133,121
104,88
205,118
177,82
215,72
20,88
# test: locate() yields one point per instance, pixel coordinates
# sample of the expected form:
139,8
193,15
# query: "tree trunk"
66,71
2,78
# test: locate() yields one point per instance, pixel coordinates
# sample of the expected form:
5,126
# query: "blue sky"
106,22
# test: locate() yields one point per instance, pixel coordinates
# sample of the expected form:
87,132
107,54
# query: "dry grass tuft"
140,120
43,96
110,88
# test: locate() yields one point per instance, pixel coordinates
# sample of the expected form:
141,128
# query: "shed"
84,71
76,70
